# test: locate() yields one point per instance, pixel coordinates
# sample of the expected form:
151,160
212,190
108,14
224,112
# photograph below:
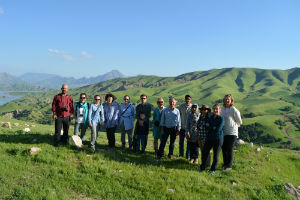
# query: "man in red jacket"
62,108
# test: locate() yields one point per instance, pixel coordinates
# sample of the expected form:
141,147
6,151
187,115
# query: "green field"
266,94
70,173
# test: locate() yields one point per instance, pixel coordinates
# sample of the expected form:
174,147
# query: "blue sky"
164,37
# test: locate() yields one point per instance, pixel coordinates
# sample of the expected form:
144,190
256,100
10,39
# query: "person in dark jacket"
140,132
62,108
214,138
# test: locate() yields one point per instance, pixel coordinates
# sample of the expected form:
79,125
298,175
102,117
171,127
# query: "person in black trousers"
232,120
214,139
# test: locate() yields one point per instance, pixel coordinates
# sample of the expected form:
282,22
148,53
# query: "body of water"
7,96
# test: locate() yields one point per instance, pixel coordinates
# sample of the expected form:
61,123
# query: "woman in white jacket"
233,120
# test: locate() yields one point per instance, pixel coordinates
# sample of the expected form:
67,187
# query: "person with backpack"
95,118
81,116
126,117
62,108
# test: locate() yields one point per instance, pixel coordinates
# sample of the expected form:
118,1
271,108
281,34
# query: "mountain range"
39,81
267,99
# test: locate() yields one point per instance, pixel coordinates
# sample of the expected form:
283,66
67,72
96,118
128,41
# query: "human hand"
90,124
54,116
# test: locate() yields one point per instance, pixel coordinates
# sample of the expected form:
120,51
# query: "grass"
67,172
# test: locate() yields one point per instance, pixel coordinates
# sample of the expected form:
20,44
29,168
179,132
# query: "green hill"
267,99
70,173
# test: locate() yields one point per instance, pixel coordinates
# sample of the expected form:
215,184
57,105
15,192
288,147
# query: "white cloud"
85,54
61,54
67,57
1,11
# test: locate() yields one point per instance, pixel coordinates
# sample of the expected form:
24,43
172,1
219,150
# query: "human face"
160,103
82,98
227,101
194,109
143,99
126,99
188,100
109,100
64,89
204,111
97,99
217,110
172,103
142,116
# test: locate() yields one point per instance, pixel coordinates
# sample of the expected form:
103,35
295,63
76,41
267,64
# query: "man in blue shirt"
170,125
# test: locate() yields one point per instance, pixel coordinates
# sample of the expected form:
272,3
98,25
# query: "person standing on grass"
170,126
184,110
111,112
62,108
203,129
156,123
214,139
81,116
233,120
146,109
95,118
140,132
192,133
126,117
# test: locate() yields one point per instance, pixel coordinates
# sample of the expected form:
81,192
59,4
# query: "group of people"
207,128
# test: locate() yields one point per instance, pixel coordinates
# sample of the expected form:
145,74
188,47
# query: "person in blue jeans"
185,110
81,116
214,139
140,132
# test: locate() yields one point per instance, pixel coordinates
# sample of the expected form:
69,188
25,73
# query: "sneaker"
212,172
191,160
196,161
227,168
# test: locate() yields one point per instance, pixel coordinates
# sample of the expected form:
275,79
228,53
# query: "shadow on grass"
31,138
128,156
115,154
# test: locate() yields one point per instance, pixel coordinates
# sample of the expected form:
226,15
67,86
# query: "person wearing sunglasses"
205,113
145,108
81,116
233,120
111,112
126,117
156,122
96,118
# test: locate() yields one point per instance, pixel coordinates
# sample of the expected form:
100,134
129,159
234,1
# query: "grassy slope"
263,92
70,173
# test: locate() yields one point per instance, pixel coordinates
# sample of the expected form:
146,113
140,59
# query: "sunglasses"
160,102
82,97
98,99
144,98
126,99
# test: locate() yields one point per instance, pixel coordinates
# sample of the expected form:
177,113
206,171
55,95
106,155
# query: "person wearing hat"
111,112
205,112
192,133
